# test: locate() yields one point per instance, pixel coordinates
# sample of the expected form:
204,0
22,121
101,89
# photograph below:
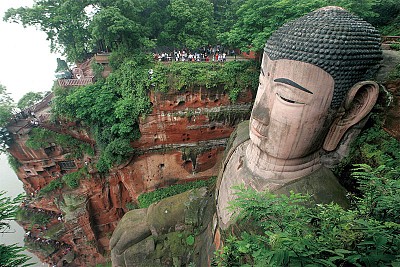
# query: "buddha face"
290,115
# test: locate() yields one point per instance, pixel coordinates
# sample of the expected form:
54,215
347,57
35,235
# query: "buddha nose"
261,113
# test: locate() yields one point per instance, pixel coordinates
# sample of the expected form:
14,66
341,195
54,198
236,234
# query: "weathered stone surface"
392,119
304,106
177,225
288,128
182,140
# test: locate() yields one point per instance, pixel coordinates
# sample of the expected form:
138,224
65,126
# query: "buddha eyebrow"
292,83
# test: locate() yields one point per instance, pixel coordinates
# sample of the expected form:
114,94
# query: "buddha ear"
359,102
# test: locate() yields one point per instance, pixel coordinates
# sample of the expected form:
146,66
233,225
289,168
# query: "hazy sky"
26,62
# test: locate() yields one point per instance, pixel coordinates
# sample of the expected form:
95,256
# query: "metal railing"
75,82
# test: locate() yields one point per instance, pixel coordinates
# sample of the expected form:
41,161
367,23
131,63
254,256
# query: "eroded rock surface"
183,139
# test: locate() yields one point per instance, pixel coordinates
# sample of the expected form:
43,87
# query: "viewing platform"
75,82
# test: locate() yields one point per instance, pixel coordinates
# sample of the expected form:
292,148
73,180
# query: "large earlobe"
359,102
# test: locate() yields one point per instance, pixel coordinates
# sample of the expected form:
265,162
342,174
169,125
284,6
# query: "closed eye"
289,100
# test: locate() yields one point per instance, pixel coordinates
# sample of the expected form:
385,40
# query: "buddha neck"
266,166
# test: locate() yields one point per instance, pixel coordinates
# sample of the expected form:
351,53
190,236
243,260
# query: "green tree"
111,108
6,110
29,99
258,19
76,28
10,255
191,24
225,14
388,19
64,21
6,106
112,26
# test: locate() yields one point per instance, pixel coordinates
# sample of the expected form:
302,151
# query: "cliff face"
182,140
392,125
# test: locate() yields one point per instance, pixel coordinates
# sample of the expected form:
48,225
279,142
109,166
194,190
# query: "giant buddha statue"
314,87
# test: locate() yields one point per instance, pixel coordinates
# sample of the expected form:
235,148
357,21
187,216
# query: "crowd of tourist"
210,53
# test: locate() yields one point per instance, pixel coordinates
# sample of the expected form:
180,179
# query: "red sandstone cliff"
182,140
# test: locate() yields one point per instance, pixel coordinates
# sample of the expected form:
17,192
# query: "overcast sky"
26,63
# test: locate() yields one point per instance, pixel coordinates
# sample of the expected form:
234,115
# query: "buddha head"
314,84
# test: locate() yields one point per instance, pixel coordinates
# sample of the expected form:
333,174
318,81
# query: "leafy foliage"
190,240
6,106
395,73
34,218
10,255
50,187
43,248
190,24
29,99
388,19
257,19
111,108
114,23
72,179
233,76
13,162
64,22
77,28
8,207
287,232
148,198
381,191
395,46
375,147
42,138
131,205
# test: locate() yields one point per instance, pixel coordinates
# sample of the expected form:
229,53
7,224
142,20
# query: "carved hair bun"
342,44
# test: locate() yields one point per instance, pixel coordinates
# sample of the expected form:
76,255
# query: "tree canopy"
10,255
78,28
6,106
29,99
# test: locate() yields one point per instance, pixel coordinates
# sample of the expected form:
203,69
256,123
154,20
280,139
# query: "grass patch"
146,199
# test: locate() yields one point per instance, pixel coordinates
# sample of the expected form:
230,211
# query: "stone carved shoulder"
238,137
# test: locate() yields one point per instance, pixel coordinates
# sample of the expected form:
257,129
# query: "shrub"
394,74
233,76
72,179
42,138
26,215
395,46
53,185
287,232
131,206
146,199
380,189
13,162
42,247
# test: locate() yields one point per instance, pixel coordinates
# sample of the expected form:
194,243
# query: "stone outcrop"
168,233
182,140
392,125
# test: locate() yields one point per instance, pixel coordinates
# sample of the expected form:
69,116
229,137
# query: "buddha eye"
287,100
